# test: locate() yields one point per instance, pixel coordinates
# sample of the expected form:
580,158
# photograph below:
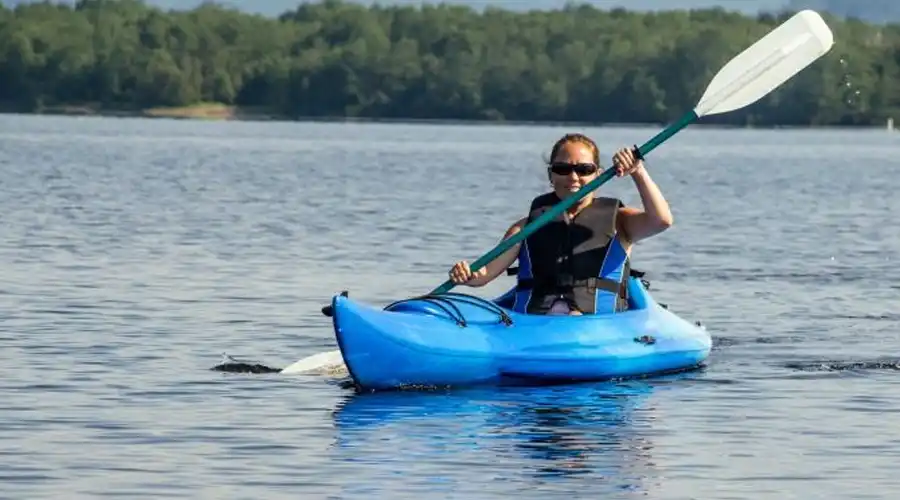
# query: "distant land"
869,10
352,61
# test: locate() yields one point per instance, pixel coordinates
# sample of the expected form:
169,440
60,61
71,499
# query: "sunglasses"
581,169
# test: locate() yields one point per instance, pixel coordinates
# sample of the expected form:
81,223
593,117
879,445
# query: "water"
136,252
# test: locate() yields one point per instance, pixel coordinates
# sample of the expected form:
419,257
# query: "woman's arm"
460,274
656,216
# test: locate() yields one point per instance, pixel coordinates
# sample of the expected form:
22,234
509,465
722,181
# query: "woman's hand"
626,163
460,274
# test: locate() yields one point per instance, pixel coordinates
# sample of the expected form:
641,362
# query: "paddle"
748,77
745,79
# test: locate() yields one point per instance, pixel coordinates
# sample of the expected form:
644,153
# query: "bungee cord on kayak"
445,303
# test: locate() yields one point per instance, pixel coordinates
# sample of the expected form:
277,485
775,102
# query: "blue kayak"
452,339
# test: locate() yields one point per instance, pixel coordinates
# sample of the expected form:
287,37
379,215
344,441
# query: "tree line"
337,59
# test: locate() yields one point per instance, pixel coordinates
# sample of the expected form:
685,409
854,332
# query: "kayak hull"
459,340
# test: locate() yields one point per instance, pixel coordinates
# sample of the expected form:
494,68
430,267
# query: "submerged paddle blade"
768,63
329,362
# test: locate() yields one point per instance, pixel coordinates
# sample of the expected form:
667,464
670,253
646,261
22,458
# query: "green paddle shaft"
554,212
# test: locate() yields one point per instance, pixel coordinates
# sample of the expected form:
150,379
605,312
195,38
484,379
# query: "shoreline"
223,112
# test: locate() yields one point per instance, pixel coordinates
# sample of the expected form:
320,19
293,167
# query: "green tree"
335,58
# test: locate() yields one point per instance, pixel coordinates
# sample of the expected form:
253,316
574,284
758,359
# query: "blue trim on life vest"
612,269
523,297
637,294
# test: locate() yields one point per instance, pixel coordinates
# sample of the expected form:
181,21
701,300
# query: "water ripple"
135,252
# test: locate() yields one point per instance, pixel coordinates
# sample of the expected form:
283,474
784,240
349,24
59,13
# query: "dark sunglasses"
581,169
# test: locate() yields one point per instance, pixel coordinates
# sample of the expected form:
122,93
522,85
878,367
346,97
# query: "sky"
868,9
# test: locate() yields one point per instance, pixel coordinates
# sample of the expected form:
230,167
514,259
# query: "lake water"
136,252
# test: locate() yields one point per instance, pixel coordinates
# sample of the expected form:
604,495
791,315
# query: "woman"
577,263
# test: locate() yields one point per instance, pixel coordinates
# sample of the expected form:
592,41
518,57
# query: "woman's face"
572,168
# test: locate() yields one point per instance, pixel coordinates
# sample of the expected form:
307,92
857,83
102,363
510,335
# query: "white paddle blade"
323,363
768,63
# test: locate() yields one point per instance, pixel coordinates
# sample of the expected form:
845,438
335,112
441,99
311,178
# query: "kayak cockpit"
465,310
638,297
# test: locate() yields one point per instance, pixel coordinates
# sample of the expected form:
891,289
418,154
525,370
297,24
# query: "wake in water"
331,363
829,365
724,342
231,365
841,366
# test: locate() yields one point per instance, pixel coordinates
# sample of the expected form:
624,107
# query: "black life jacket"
581,261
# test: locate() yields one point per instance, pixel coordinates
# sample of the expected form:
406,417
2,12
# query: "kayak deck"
457,339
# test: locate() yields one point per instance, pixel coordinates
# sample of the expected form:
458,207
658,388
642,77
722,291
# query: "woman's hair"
577,138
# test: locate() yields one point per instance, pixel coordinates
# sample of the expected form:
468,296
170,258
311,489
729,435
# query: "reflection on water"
564,439
586,432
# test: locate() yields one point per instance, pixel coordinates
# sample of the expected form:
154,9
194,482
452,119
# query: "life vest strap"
634,273
566,282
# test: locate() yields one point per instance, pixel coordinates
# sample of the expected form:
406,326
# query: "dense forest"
337,59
